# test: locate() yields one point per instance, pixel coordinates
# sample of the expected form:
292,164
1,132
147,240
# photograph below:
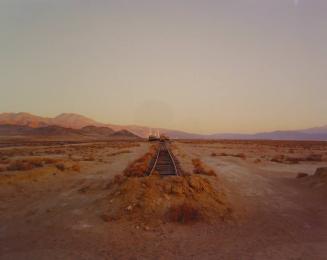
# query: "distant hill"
13,130
316,130
67,120
24,119
124,134
94,130
74,121
53,130
90,127
10,130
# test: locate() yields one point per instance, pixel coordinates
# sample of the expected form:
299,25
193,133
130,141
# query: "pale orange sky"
199,66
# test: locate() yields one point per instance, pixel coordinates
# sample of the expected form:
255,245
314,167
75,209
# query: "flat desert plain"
57,201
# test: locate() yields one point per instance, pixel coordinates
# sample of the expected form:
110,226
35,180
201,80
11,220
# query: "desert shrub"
19,165
119,152
220,154
183,213
61,166
302,175
293,160
199,168
119,179
76,168
50,160
35,162
139,167
240,155
29,164
278,158
4,161
321,172
314,158
89,159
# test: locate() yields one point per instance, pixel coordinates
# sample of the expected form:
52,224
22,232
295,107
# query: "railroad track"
164,162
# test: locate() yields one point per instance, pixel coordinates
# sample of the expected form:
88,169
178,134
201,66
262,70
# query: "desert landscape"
255,199
154,129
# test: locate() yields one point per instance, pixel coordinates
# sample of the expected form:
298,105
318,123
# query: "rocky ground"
57,202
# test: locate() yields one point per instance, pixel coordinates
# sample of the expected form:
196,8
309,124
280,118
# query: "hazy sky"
200,66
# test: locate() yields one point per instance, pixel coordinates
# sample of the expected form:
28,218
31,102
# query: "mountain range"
89,132
78,124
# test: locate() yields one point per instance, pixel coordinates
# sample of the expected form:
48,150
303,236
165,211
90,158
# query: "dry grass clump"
183,213
314,158
200,168
309,158
214,154
54,152
4,160
61,167
294,160
321,173
139,167
29,164
50,160
119,152
119,179
318,180
301,175
240,155
278,158
171,199
20,165
76,168
89,158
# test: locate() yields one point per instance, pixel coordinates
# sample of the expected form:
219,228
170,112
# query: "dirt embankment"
155,199
171,199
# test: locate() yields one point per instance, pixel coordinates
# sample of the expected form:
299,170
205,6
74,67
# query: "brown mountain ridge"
68,120
54,130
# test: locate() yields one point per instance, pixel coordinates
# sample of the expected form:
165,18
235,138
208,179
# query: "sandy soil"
47,213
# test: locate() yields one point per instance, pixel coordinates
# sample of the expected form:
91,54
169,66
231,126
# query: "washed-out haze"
198,66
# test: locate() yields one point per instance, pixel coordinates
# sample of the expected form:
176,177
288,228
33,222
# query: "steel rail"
164,147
